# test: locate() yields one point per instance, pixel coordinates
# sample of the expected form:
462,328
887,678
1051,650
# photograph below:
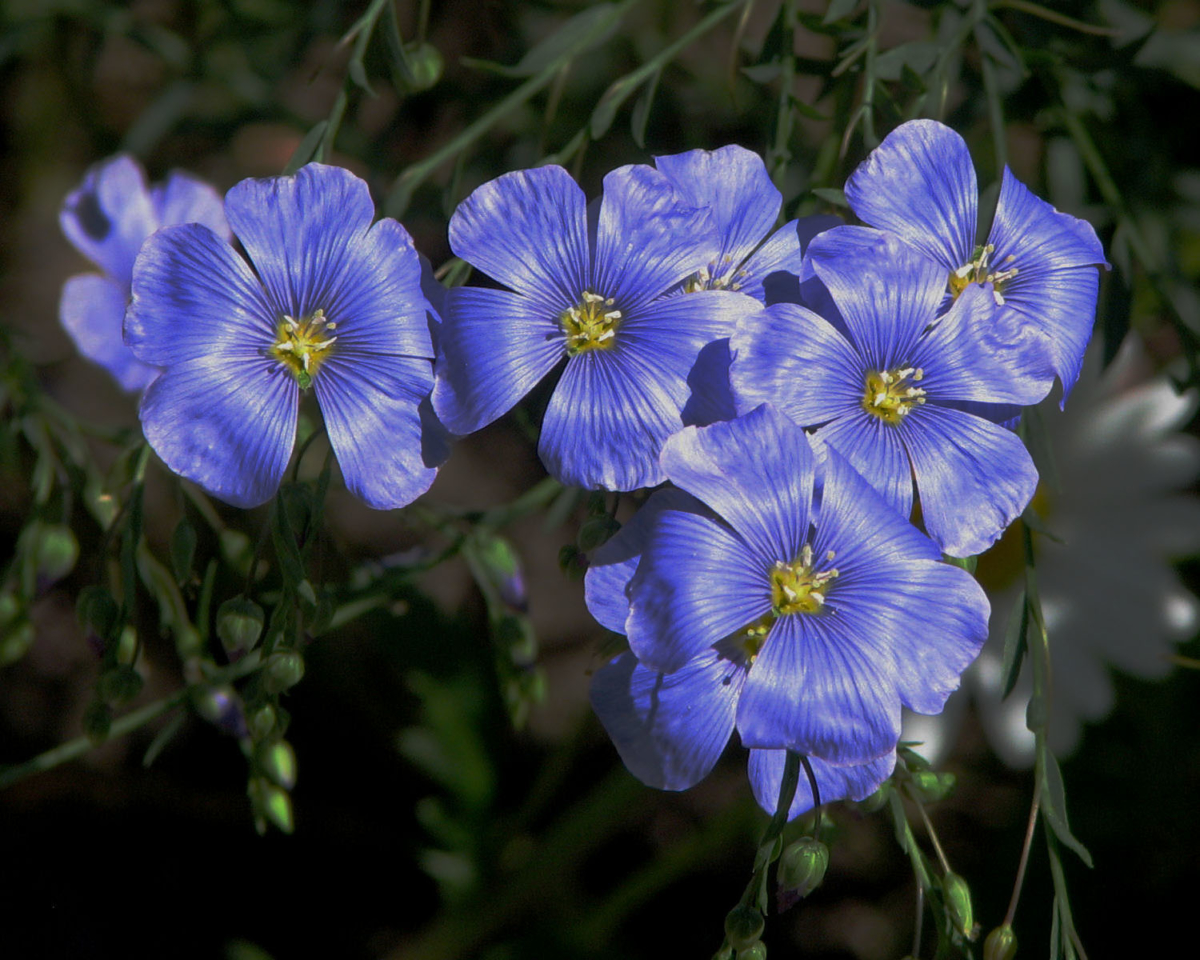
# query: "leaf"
1054,806
1014,645
831,195
641,110
806,110
839,10
763,72
609,103
307,150
919,56
595,24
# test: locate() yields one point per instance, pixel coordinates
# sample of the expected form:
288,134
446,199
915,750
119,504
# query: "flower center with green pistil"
716,276
591,324
888,396
302,345
978,271
798,587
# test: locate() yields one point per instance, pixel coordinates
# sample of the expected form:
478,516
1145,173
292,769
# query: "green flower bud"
262,722
802,867
239,625
127,646
756,951
10,608
572,562
222,707
97,611
15,640
931,787
425,65
595,531
183,550
120,684
958,904
187,642
55,553
1001,944
878,800
743,926
272,804
278,762
237,551
283,671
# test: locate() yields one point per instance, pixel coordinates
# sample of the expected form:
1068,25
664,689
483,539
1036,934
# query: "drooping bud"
425,66
15,640
239,625
743,926
262,722
931,787
596,531
97,612
877,800
283,671
802,867
958,904
1001,944
572,562
55,553
222,707
278,762
272,804
756,951
119,684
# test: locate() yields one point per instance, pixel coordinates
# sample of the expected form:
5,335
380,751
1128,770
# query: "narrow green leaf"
582,32
641,110
609,103
917,55
1014,645
1054,807
839,10
307,149
831,195
763,72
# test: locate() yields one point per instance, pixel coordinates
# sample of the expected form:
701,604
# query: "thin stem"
1024,862
781,154
919,921
1052,16
816,795
933,837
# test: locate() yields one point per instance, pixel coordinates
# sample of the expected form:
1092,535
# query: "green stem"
781,155
1051,16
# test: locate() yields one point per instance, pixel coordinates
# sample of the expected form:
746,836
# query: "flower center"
978,271
718,275
797,587
888,396
591,324
301,345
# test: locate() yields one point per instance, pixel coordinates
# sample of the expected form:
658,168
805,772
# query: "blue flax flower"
326,301
885,381
107,218
780,597
1040,264
596,301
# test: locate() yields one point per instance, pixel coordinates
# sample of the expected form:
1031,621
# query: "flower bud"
958,904
596,531
756,951
15,640
97,611
222,707
743,926
283,671
802,867
425,65
272,804
278,762
876,801
572,562
55,553
262,722
119,684
239,625
931,787
1001,944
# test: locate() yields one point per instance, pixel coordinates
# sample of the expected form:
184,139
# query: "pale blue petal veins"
91,310
228,426
193,298
788,356
696,584
611,565
886,294
109,216
877,451
181,198
669,729
919,184
298,231
852,782
780,253
755,472
493,348
528,230
819,688
974,477
648,240
370,406
1062,306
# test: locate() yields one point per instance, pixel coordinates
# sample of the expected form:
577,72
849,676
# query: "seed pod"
958,904
743,926
283,671
239,625
1001,944
802,867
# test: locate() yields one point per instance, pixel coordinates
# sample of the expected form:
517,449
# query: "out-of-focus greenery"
454,797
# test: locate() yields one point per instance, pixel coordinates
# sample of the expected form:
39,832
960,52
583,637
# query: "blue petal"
920,185
371,410
696,584
528,230
612,409
181,198
493,348
109,216
668,728
978,352
780,254
297,231
886,294
974,478
711,398
877,451
755,472
822,690
612,565
193,297
788,356
855,782
648,239
229,426
733,184
91,310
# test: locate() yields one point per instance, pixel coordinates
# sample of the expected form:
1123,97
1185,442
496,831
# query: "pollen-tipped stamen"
590,325
797,587
302,345
886,393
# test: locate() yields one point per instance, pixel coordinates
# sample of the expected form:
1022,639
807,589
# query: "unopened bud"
958,904
877,800
743,926
120,684
930,787
55,553
1001,944
756,951
262,722
283,671
595,531
239,625
425,66
572,562
802,867
222,707
97,611
272,804
15,640
278,762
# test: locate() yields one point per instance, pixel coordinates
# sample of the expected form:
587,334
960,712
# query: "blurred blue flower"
781,597
884,380
327,301
107,218
1041,264
595,297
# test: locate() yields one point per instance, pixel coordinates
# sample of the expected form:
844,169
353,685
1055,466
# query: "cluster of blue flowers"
800,389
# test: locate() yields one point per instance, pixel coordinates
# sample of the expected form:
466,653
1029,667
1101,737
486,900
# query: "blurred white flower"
1109,593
